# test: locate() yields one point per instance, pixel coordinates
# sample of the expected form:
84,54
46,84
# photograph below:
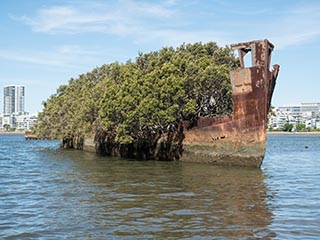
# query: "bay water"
51,193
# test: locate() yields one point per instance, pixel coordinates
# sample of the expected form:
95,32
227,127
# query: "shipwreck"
238,139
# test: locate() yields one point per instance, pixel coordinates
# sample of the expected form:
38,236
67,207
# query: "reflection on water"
160,199
51,193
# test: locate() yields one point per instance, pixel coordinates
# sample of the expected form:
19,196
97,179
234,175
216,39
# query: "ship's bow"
239,139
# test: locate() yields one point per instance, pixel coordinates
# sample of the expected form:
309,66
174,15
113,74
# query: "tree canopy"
142,99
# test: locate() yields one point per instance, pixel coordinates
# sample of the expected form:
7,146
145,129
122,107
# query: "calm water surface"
49,193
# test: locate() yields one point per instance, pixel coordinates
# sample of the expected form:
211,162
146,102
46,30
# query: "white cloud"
122,18
64,19
66,56
149,9
167,22
75,50
143,21
41,59
177,37
297,26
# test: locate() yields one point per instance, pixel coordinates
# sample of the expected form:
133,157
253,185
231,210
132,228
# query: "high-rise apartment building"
13,99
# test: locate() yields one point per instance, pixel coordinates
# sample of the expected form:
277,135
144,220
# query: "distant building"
14,115
25,122
13,100
301,112
305,113
9,121
19,122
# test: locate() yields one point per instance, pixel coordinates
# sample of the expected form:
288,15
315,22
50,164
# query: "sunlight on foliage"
143,99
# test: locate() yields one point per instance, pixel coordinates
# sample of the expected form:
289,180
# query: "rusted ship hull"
227,143
239,139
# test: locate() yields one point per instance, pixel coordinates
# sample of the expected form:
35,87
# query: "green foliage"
143,99
287,127
271,112
300,127
6,127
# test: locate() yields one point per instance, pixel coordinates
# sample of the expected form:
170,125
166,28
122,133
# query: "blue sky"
43,43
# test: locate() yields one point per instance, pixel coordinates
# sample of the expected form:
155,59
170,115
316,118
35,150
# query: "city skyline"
306,114
276,106
45,43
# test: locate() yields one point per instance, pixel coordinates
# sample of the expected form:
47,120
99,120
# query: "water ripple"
49,193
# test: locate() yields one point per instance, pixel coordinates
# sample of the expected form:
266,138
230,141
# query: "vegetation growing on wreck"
139,101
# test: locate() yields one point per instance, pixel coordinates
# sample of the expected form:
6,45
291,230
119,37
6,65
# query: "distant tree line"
299,127
139,101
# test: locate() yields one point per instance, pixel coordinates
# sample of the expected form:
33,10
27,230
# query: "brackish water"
50,193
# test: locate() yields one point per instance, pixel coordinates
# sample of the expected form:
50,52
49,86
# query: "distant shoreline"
15,133
293,133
